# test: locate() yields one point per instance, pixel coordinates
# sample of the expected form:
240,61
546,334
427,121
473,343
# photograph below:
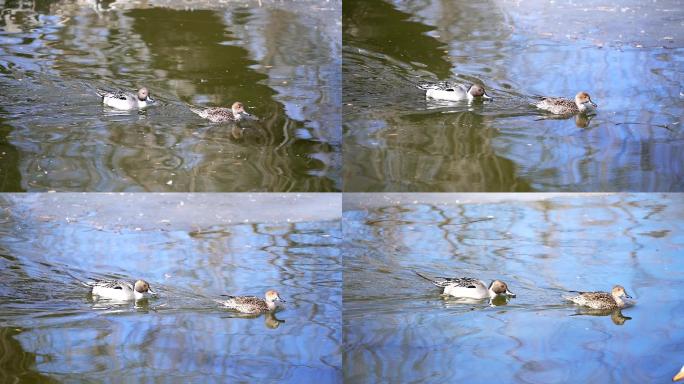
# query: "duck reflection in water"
615,314
270,319
142,305
581,120
497,301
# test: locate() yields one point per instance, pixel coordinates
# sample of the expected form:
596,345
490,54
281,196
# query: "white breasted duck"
453,91
466,287
120,290
126,101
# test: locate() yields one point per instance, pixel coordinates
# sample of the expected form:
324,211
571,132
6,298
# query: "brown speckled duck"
562,106
602,300
223,115
253,304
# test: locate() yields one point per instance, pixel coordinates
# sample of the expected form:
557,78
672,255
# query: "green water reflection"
281,62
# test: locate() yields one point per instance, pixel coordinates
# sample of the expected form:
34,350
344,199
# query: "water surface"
397,327
629,56
51,330
281,61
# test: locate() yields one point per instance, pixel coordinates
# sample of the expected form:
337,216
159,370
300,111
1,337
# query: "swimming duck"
602,300
466,287
562,106
454,92
222,115
121,290
126,101
253,304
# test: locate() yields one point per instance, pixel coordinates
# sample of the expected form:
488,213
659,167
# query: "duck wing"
596,295
116,94
214,114
441,86
442,282
465,282
558,101
112,284
244,299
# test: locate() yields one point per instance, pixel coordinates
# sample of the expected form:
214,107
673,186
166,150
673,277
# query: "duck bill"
510,294
281,300
593,104
151,291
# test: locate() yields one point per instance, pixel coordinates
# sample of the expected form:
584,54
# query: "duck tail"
221,302
101,92
572,298
82,282
428,278
197,111
424,85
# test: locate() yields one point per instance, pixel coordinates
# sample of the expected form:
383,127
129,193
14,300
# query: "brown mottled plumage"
562,106
601,300
222,115
252,304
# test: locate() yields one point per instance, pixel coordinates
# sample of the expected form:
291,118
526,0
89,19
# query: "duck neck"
270,304
618,300
581,106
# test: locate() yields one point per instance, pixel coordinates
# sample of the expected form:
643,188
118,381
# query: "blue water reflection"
626,56
398,328
182,335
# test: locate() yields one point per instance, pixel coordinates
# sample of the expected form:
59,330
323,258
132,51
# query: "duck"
118,99
223,115
561,106
466,287
602,300
448,91
120,290
253,304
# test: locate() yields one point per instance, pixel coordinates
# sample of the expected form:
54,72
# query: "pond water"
398,328
51,330
282,61
628,55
